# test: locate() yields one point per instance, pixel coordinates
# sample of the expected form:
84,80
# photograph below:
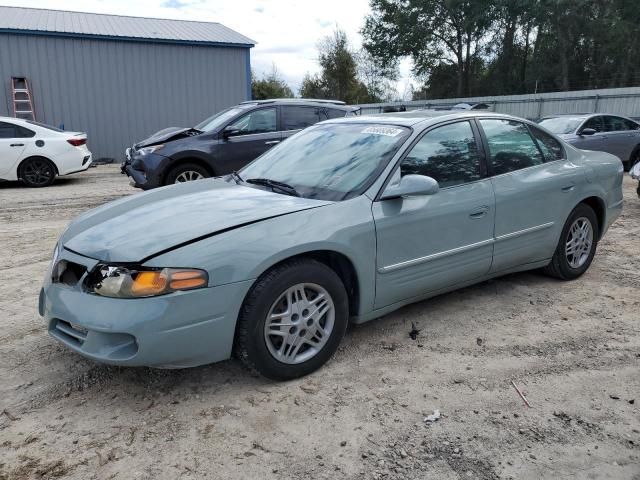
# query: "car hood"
139,227
167,135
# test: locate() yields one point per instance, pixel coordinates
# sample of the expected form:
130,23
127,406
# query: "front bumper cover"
182,329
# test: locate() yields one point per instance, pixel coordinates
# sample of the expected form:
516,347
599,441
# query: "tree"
431,32
347,75
497,47
271,85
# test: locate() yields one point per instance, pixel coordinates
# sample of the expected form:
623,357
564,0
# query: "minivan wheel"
577,244
292,320
187,172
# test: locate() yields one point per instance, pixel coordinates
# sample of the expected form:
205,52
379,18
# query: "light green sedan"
343,222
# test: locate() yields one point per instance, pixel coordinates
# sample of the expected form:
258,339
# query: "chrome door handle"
479,213
568,188
17,145
272,142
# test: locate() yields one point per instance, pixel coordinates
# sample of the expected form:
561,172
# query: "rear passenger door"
12,144
535,188
296,117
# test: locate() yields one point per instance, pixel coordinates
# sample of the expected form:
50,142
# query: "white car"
36,153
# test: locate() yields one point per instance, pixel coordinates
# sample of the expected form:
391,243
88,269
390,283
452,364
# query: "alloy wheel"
299,323
38,172
579,242
189,176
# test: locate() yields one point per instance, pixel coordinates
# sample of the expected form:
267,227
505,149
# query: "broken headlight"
136,282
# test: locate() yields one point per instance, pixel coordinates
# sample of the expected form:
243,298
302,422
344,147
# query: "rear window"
44,125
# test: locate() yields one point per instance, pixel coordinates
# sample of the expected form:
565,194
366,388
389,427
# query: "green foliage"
353,77
481,47
271,85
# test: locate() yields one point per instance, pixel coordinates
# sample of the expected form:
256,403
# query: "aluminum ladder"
22,99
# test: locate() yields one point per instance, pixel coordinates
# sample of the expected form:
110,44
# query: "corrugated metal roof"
58,22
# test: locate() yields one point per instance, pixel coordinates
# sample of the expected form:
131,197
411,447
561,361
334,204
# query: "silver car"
613,134
343,222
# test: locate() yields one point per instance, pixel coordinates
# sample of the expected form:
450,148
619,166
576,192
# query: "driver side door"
257,132
429,242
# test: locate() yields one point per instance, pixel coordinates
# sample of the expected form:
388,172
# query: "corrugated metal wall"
623,101
120,92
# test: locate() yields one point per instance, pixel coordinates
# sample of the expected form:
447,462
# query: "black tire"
37,172
183,170
250,344
559,266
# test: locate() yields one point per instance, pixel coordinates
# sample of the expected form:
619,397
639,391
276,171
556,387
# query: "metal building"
119,78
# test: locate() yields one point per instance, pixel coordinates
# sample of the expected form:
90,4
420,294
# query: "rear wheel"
577,244
37,172
292,320
187,172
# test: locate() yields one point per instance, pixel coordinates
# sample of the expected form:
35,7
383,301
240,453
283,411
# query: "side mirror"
412,185
230,131
587,131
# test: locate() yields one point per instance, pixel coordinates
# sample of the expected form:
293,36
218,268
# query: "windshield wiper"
236,176
275,185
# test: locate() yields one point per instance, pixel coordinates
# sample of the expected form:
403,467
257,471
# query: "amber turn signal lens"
186,279
149,283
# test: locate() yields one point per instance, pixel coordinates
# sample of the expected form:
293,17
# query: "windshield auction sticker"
387,131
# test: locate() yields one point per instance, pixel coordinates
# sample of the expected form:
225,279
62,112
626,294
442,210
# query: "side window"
631,125
594,122
551,148
616,124
7,130
449,154
258,121
297,118
335,113
24,132
510,145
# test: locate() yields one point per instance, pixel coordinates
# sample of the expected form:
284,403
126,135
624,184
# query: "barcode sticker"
387,131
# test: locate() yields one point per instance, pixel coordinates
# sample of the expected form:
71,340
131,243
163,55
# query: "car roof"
302,101
20,121
424,117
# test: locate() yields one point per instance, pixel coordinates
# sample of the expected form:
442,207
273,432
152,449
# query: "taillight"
76,142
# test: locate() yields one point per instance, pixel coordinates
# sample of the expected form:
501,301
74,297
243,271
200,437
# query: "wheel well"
182,161
597,205
343,267
36,156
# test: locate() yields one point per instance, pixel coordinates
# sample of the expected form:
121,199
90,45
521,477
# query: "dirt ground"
572,348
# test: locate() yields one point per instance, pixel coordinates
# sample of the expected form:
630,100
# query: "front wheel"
187,172
292,320
577,244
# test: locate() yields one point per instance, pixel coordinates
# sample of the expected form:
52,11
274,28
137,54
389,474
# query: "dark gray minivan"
225,142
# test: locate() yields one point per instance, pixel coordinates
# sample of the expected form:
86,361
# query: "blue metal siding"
121,92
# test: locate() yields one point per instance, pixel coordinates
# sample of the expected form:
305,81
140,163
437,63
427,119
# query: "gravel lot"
573,348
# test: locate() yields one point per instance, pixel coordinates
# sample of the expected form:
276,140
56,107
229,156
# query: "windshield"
561,125
331,161
219,119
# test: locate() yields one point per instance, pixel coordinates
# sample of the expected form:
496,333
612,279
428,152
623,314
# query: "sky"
286,32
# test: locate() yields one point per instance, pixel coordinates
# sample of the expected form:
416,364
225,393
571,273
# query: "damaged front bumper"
182,329
144,171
